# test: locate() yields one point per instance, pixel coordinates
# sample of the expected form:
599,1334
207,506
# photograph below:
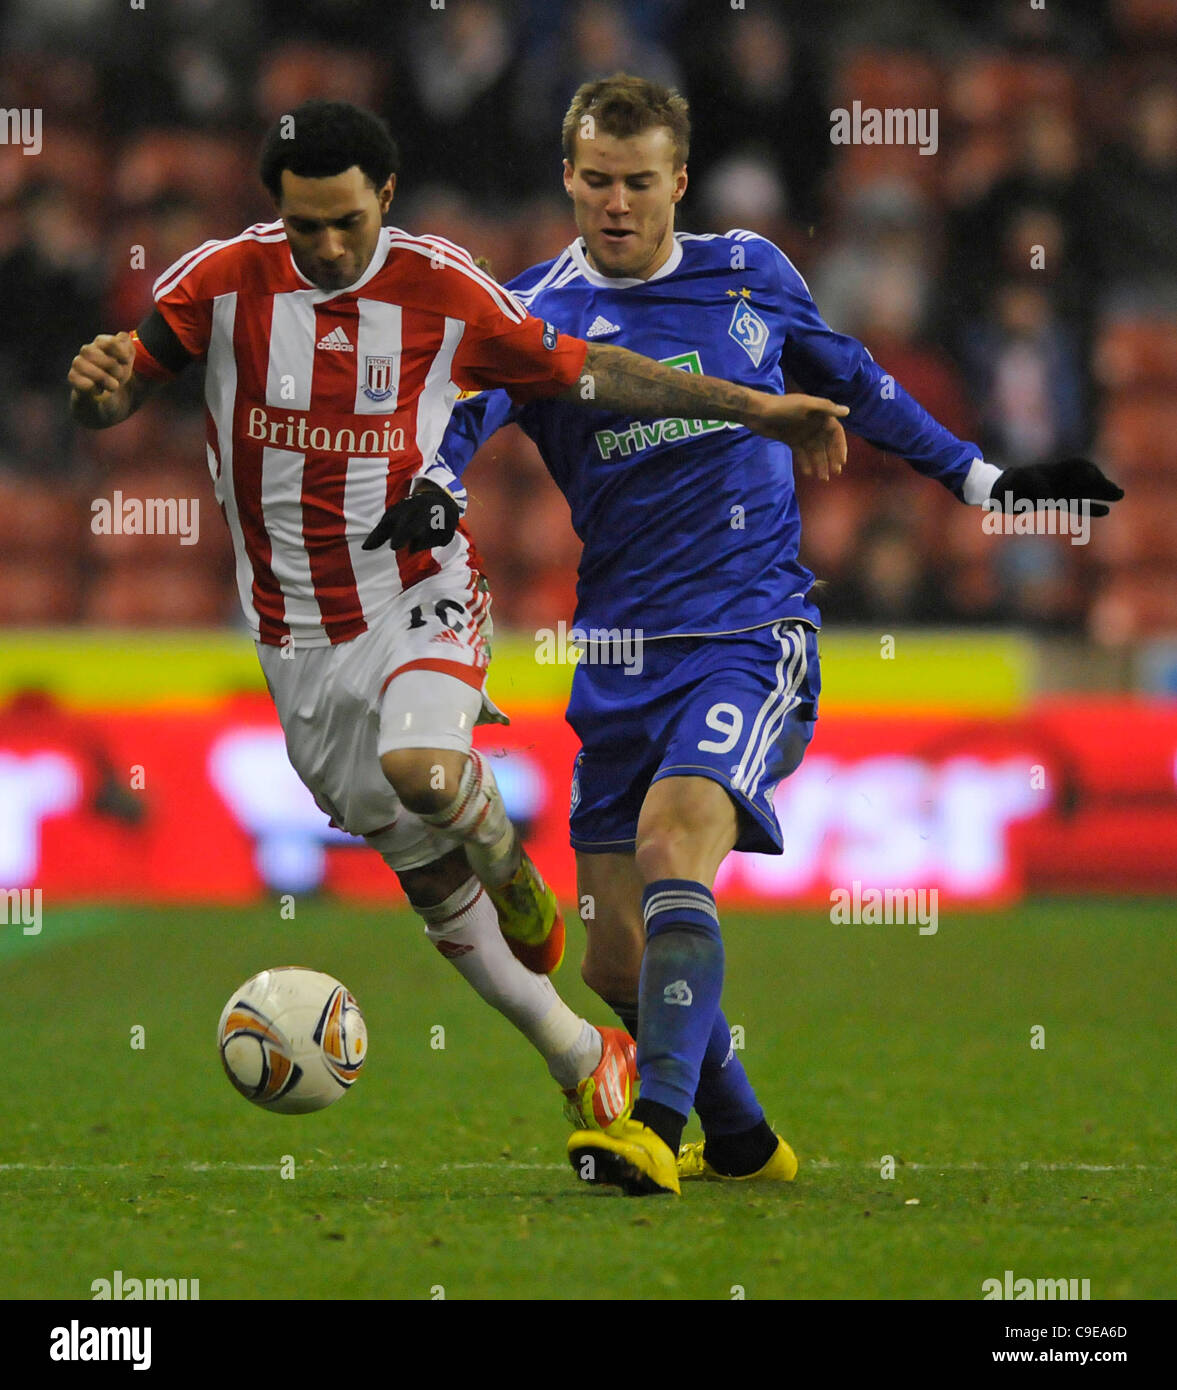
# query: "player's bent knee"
425,779
667,852
686,827
670,849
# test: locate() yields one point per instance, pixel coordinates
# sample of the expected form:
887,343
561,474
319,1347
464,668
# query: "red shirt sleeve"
190,318
502,345
185,303
528,359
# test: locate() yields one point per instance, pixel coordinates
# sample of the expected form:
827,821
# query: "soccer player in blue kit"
690,534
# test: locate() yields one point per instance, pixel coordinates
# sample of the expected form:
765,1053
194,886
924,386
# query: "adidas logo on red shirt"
335,341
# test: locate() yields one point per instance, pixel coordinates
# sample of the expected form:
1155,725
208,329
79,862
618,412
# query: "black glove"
426,519
1066,480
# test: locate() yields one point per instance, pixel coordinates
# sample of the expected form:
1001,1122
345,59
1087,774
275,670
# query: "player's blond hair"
624,105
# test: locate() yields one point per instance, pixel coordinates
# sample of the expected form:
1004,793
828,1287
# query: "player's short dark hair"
624,105
322,138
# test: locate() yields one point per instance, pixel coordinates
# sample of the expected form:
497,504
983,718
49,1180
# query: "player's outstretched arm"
106,389
613,378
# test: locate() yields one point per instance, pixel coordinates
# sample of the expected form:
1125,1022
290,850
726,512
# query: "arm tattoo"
614,378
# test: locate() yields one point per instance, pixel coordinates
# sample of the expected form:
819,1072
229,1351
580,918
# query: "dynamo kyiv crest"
749,330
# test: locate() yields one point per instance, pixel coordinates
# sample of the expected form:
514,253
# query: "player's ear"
568,177
386,193
680,185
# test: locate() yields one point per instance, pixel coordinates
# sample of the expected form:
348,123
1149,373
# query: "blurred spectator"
743,190
1024,365
49,283
883,232
971,594
443,210
43,24
900,24
461,66
1134,208
1038,583
299,69
212,46
831,519
1040,203
599,39
759,96
1079,28
888,582
544,229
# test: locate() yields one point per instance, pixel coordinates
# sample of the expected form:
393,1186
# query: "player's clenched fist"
103,365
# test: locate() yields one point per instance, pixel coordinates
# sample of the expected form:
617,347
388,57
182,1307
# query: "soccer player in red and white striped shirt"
335,349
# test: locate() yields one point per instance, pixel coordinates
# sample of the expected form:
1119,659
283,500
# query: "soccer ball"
292,1040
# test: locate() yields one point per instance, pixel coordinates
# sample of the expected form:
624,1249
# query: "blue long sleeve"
825,363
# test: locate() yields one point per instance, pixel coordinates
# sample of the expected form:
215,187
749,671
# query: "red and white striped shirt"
323,405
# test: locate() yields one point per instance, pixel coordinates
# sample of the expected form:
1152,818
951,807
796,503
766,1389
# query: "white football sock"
465,929
477,816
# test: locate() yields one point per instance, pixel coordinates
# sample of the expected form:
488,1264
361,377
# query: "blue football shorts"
739,709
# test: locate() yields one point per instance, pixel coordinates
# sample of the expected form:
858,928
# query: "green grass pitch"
444,1169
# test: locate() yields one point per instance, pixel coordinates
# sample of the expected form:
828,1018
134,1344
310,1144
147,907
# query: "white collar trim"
613,282
375,265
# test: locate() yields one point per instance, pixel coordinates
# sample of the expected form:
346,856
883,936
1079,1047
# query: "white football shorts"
414,679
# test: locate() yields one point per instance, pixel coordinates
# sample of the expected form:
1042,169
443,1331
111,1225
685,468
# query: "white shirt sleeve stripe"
430,246
178,269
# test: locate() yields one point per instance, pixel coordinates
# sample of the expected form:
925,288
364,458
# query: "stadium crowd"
1021,282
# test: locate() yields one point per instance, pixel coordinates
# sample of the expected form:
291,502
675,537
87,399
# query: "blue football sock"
725,1101
678,996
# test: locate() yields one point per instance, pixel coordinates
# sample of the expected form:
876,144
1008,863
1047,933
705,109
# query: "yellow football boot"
530,919
631,1156
781,1167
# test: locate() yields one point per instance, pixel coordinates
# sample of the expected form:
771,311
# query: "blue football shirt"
691,527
